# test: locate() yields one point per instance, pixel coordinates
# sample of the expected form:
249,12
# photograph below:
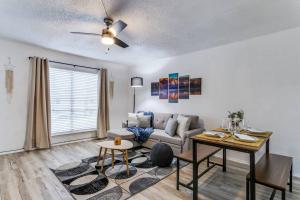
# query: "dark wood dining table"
251,150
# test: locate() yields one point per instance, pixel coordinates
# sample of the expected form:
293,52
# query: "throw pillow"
171,127
133,119
183,125
149,113
144,121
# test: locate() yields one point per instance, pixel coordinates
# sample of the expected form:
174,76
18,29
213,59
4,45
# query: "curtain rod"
63,63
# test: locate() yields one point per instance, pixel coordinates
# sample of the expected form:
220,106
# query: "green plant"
236,116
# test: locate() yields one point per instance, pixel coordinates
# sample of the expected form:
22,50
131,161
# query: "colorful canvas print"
195,86
155,89
163,88
184,87
173,88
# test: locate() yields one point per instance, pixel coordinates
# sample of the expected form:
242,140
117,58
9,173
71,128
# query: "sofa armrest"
193,132
187,141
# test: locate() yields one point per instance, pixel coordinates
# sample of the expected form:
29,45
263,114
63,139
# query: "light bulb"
107,40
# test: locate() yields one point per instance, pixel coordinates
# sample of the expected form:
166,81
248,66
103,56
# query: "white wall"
13,115
260,76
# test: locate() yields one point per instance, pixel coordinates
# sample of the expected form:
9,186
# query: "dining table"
230,143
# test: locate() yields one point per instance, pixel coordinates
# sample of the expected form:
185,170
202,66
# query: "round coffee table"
123,147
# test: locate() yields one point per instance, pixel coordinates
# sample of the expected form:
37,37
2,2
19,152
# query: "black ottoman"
161,155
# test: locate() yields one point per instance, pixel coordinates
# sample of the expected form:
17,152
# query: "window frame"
78,69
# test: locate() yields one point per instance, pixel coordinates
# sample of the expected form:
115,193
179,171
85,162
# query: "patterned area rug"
85,181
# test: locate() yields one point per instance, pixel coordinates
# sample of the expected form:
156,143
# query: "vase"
234,127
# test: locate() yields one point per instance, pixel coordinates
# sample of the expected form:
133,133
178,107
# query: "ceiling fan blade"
82,33
120,43
117,27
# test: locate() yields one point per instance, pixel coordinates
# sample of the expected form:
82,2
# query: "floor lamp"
136,82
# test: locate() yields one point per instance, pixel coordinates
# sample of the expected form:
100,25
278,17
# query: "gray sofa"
160,120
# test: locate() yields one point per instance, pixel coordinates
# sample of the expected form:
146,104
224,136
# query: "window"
74,100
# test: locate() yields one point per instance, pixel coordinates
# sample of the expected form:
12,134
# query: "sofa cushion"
171,127
133,119
160,120
123,133
144,121
183,125
194,122
148,113
161,135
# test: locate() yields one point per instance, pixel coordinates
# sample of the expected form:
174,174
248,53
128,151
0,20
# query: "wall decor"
184,87
9,79
176,87
154,88
173,88
195,86
163,88
111,86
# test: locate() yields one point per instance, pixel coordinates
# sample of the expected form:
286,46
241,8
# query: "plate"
245,138
214,134
252,130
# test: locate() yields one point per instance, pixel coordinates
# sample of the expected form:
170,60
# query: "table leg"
195,171
113,158
207,162
224,160
177,173
268,146
126,159
102,166
252,176
291,179
99,156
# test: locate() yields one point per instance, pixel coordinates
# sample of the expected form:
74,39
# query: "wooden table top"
110,144
231,145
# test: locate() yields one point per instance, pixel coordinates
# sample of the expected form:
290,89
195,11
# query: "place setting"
234,130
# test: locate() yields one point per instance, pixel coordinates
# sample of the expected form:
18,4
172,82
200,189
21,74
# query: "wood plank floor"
26,176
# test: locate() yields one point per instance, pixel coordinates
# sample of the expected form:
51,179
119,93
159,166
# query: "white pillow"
133,118
183,125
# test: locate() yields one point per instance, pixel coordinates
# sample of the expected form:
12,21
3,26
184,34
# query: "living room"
105,121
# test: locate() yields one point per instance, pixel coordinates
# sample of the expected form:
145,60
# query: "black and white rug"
85,181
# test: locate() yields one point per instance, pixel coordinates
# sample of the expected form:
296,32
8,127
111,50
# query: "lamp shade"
137,82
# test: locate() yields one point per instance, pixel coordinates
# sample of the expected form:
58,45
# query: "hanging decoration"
111,86
9,79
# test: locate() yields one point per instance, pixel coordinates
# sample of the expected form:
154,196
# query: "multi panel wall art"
184,87
163,88
195,86
176,87
155,89
173,88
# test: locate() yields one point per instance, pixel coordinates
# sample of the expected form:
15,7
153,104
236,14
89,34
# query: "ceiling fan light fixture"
107,40
107,37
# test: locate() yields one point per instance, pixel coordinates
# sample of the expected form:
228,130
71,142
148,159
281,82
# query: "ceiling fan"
108,34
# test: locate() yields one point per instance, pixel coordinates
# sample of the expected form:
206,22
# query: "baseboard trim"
11,151
74,141
56,144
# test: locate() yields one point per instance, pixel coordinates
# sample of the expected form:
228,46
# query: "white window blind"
74,100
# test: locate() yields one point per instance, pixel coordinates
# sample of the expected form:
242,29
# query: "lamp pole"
134,100
136,82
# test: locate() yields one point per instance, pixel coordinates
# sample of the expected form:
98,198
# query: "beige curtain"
103,108
38,119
